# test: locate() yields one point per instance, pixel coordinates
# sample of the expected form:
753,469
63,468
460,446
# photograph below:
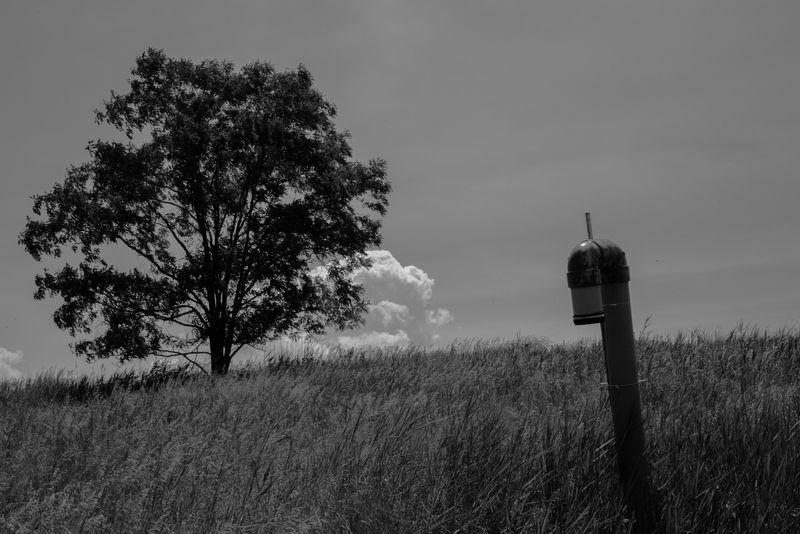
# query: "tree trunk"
220,360
219,364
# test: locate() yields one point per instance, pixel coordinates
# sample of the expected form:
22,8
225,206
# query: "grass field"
484,436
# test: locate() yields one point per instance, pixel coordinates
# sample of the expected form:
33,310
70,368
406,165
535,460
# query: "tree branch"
197,364
149,257
117,305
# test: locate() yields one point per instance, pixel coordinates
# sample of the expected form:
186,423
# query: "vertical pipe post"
599,266
626,411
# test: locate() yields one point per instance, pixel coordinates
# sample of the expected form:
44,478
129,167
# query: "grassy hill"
484,436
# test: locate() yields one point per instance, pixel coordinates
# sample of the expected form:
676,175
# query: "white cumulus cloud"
7,361
388,312
439,317
399,313
373,339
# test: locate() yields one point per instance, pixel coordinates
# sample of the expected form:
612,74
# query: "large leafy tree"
237,186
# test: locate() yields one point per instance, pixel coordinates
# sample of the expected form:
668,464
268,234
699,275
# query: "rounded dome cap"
596,261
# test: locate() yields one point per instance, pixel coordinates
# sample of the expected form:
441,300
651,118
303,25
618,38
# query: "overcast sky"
676,123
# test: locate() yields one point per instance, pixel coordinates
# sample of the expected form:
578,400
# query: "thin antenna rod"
589,225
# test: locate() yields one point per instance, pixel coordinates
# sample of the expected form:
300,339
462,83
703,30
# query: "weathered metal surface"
598,276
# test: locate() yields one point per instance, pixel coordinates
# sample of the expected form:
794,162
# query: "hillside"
484,436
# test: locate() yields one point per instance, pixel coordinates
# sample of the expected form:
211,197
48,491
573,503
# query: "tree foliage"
239,185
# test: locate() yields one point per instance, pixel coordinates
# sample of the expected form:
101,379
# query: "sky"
676,124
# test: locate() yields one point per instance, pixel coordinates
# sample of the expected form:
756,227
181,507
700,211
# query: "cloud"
7,360
389,312
399,313
372,339
439,317
387,279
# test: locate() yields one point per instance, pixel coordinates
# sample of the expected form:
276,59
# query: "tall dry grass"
484,436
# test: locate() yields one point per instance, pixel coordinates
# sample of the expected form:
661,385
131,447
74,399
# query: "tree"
240,185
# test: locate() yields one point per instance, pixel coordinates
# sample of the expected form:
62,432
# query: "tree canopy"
239,184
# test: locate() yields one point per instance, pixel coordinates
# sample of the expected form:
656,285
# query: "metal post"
623,393
600,262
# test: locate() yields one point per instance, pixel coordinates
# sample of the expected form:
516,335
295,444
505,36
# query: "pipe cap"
597,261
